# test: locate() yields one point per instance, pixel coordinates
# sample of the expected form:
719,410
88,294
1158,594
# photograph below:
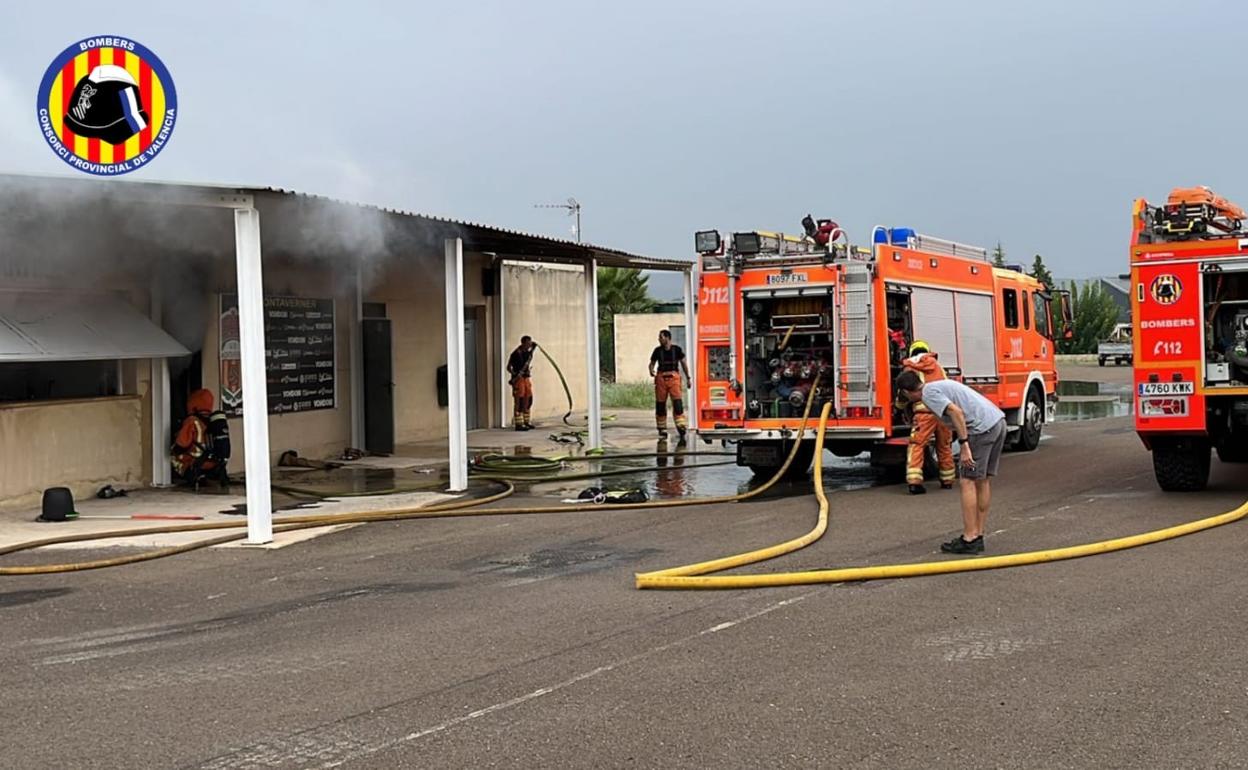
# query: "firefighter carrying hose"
925,424
519,366
666,363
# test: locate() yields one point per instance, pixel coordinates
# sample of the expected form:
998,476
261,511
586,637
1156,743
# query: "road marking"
337,744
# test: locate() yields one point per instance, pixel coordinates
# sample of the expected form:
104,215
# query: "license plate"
1167,388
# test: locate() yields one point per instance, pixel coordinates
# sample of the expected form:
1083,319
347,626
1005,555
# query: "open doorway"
378,380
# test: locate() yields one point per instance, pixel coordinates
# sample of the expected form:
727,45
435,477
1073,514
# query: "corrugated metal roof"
478,236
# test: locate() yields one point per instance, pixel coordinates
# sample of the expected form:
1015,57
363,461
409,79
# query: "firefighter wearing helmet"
925,424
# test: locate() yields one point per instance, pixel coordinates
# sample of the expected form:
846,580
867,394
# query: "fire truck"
776,312
1189,274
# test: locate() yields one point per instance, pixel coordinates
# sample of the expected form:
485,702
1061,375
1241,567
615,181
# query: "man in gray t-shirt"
980,427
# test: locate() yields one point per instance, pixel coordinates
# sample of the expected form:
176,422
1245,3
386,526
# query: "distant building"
1119,289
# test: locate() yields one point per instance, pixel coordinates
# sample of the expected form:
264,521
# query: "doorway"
378,386
471,410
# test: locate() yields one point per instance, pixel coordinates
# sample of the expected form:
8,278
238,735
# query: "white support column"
503,348
456,415
162,417
592,365
357,362
255,381
691,354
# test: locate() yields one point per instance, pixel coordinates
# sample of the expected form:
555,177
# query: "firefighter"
924,424
666,364
193,453
519,366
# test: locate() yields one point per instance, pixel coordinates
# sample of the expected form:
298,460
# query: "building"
360,326
1119,289
636,334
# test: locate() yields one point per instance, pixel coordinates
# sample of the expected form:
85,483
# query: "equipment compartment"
789,341
1226,329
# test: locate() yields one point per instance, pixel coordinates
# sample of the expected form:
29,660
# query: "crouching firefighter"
924,424
201,447
520,366
666,364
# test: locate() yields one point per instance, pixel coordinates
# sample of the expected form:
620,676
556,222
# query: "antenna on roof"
574,209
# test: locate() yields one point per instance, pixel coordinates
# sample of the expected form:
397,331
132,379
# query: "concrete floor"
520,642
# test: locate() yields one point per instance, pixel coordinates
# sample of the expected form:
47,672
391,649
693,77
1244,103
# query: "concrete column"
592,365
691,351
456,415
162,420
357,361
503,348
255,378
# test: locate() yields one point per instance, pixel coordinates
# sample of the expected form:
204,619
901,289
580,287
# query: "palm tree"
620,290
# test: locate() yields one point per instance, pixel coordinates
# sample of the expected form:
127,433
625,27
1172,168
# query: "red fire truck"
775,311
1189,272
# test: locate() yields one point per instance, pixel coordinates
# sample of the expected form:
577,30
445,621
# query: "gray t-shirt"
981,414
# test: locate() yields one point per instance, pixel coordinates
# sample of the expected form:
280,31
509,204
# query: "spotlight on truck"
707,242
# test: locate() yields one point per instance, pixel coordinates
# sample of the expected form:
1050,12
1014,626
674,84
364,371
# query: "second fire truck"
1189,272
777,311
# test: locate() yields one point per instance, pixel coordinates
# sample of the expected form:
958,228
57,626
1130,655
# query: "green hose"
568,393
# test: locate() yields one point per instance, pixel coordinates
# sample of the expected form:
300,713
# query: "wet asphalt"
520,641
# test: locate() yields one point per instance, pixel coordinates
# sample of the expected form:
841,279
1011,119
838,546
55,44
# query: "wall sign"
299,354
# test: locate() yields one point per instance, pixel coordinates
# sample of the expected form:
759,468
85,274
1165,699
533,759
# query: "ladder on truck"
855,386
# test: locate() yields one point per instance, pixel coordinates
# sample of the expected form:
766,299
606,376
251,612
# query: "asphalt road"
520,642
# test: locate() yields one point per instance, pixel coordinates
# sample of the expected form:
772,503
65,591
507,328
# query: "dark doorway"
470,370
186,375
378,386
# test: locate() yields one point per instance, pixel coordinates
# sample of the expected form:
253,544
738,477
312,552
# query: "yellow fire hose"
697,576
292,523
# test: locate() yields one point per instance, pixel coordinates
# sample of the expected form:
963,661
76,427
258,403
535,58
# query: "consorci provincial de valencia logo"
107,105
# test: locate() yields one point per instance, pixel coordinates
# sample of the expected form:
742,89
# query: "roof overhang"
66,326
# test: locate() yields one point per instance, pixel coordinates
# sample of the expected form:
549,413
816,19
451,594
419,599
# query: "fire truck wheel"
1101,361
1181,466
1033,422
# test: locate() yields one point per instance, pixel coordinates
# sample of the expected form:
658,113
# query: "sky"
1032,124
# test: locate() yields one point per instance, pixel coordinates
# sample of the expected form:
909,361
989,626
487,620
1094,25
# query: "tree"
1096,314
1041,273
998,256
620,290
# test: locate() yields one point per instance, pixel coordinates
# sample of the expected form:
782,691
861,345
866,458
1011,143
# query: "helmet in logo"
1166,289
106,105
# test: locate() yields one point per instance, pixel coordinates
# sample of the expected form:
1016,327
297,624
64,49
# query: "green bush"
627,395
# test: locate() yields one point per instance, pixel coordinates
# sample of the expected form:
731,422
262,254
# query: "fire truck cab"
1189,274
787,319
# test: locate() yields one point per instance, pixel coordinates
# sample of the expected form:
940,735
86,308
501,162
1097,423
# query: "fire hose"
456,508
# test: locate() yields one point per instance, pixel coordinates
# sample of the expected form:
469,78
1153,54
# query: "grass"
627,395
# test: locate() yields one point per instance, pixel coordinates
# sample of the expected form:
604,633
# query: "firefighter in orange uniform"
666,364
519,366
925,424
191,448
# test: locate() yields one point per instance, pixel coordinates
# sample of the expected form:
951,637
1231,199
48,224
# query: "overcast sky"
1032,123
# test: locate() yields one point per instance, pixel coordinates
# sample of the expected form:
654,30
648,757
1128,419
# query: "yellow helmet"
919,346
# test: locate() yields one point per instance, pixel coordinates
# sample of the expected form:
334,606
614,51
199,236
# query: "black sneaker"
918,489
963,546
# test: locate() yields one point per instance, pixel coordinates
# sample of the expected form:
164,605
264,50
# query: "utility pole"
574,209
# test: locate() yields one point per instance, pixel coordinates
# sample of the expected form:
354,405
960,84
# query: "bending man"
980,428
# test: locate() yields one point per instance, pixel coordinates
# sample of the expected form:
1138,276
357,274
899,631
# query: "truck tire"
1100,360
1181,466
1033,422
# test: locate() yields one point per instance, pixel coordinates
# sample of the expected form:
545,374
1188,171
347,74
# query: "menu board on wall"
299,354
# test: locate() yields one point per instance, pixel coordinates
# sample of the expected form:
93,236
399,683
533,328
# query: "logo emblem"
106,106
1166,289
